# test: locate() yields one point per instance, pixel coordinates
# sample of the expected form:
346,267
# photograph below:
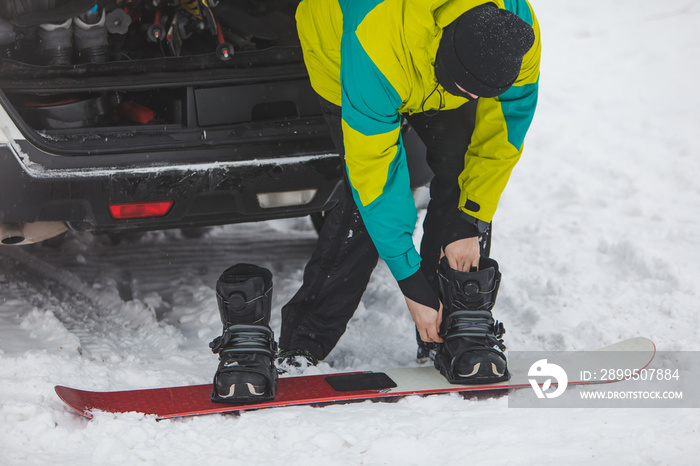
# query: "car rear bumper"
207,186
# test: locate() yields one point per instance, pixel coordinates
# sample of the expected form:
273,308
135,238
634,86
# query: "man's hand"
463,254
427,321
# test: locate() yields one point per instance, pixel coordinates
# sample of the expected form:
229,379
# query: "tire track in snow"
106,294
163,265
105,325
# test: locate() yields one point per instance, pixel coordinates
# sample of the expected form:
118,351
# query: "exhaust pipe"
15,234
11,234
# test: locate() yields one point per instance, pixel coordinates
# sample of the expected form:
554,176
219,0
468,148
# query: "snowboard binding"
472,352
247,347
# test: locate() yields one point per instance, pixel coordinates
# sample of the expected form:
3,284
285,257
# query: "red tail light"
140,210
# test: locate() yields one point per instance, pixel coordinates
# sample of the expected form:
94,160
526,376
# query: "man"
464,73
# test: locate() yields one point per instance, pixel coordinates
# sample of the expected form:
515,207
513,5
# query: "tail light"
140,210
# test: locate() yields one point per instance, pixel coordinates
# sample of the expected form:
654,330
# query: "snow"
38,171
597,236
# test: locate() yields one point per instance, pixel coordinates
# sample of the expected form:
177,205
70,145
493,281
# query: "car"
134,115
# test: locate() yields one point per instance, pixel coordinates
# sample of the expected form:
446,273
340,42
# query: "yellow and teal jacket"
375,58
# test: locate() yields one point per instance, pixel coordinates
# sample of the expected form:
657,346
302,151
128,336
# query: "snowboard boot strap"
247,339
246,370
472,351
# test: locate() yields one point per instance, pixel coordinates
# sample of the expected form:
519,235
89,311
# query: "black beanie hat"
483,51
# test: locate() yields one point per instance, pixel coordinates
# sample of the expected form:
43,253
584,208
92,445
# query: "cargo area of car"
159,74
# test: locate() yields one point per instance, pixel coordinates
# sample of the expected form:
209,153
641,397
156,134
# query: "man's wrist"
463,226
417,288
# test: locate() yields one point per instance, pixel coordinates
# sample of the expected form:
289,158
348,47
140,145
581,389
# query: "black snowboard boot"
472,352
247,347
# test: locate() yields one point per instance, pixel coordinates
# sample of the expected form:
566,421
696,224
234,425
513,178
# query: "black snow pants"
339,270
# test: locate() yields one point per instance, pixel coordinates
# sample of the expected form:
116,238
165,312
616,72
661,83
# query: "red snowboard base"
319,389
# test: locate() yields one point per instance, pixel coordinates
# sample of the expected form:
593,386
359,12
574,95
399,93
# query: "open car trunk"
159,75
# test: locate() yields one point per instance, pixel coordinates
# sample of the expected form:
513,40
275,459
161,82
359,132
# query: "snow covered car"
133,115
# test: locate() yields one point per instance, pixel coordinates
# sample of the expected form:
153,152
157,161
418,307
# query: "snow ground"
597,236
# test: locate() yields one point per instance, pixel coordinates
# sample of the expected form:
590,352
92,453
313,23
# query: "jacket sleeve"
497,143
375,158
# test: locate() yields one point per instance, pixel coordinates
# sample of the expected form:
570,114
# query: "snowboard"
633,354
